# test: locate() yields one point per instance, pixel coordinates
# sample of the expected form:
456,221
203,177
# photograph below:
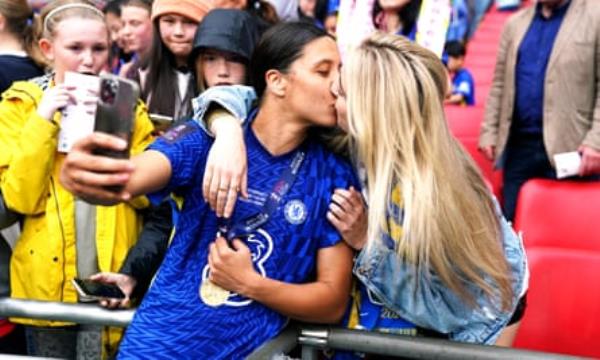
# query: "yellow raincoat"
44,259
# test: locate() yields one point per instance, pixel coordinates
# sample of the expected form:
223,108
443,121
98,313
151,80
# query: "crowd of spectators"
198,182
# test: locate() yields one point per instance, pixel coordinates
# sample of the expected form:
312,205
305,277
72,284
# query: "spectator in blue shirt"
463,86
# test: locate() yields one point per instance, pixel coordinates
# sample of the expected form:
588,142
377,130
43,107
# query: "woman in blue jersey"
442,260
227,286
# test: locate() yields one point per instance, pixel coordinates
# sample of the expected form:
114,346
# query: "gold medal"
213,295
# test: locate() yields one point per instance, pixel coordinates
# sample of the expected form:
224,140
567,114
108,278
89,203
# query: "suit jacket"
572,87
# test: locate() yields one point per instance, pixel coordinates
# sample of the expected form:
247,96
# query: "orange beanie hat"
193,9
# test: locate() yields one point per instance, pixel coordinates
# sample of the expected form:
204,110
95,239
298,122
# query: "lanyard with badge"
214,295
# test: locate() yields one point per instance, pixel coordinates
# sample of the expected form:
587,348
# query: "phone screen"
97,289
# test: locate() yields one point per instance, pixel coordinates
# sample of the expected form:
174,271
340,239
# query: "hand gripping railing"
311,338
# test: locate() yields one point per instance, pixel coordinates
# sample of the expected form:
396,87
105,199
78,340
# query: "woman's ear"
276,82
47,48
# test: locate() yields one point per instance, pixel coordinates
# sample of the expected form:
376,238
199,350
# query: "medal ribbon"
246,226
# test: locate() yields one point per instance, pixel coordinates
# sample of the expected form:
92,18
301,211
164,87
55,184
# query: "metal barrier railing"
77,313
312,339
409,347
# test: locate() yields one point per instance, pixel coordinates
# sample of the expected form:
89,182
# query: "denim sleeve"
236,99
427,302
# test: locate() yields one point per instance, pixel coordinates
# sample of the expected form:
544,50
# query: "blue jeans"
526,159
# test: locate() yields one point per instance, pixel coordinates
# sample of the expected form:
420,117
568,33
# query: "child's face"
177,33
455,63
137,29
220,68
79,45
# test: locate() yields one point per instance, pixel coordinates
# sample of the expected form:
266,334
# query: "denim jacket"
433,305
236,99
428,303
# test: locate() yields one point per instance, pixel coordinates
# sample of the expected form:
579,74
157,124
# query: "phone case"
102,291
83,296
115,113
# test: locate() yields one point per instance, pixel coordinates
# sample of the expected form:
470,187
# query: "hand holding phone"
90,290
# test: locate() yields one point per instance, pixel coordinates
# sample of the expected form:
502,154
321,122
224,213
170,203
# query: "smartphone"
115,113
161,122
89,290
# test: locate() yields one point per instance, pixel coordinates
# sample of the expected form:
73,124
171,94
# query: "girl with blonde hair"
437,252
62,237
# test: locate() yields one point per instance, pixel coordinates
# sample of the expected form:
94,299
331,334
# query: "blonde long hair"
396,120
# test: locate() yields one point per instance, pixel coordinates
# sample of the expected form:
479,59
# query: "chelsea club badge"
295,212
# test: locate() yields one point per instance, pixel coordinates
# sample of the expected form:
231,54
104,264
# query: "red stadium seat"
563,309
560,214
559,222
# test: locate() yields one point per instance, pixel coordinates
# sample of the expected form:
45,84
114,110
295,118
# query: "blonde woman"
435,256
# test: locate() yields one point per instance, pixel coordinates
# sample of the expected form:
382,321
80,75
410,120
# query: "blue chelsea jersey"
173,321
